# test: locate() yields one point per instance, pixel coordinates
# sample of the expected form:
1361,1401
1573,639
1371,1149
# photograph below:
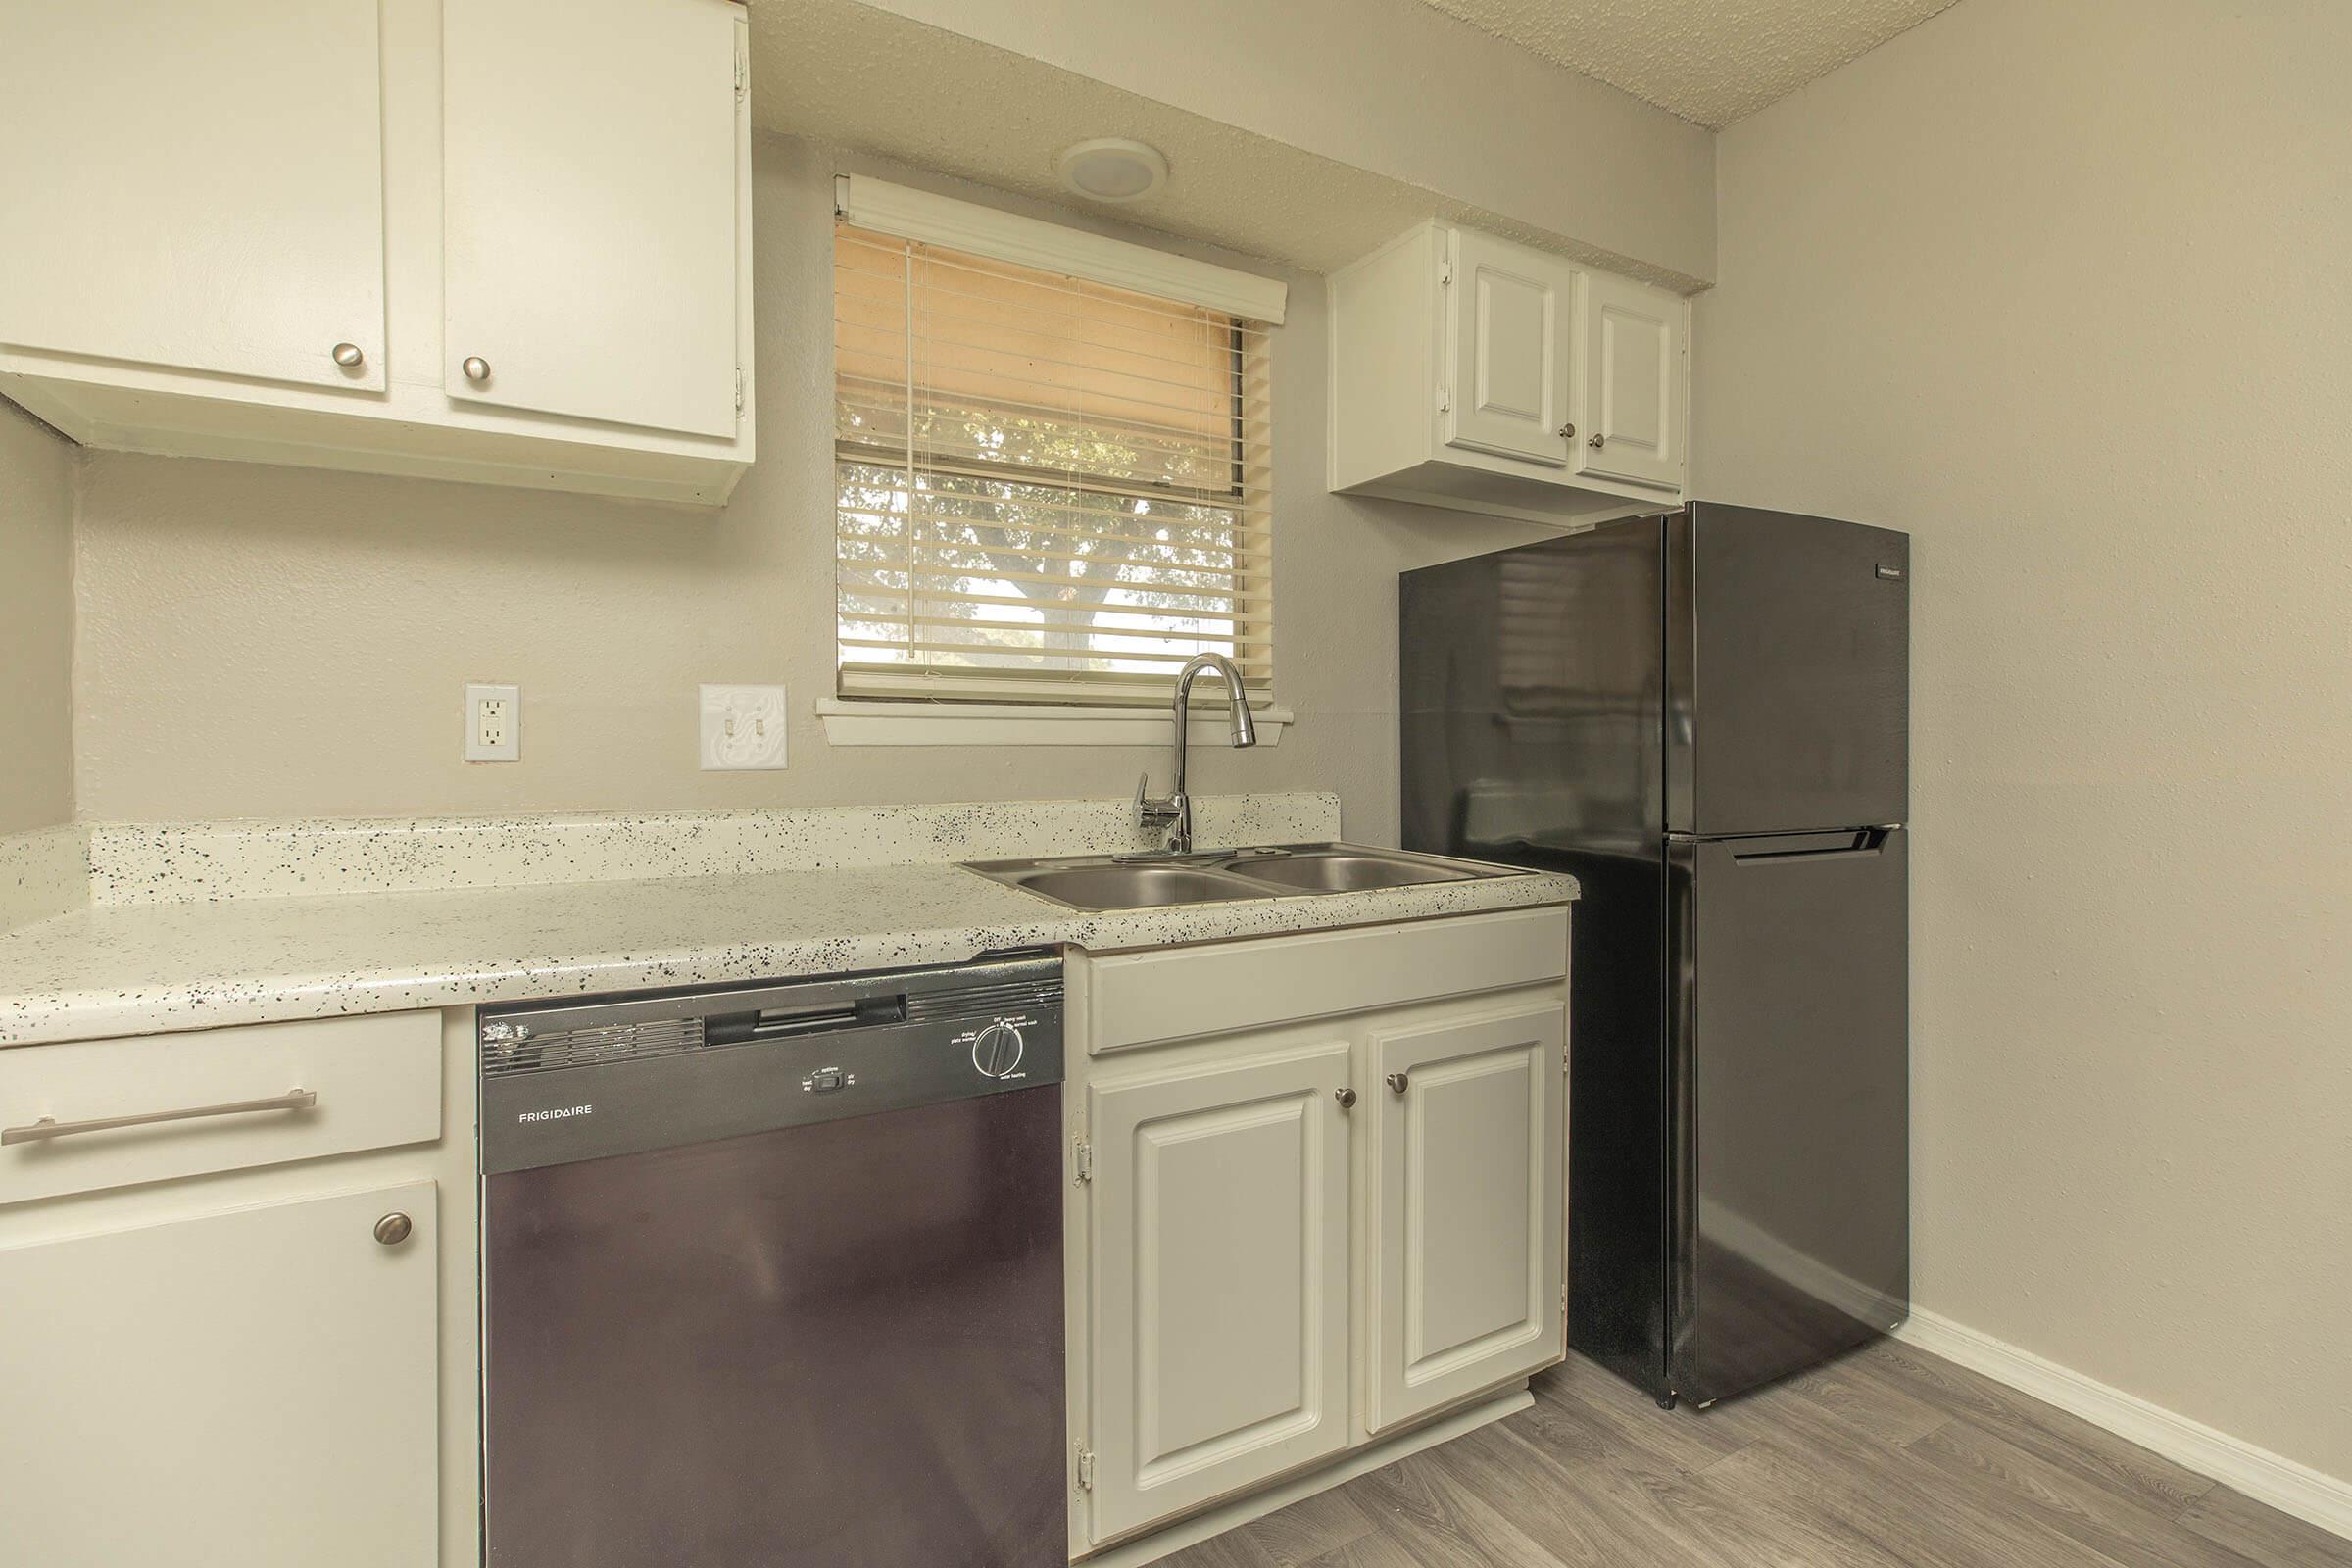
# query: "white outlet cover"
742,728
493,723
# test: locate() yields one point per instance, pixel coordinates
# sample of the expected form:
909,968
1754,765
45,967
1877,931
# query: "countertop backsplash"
166,862
44,871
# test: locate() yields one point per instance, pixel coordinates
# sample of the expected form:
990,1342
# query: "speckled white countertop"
141,969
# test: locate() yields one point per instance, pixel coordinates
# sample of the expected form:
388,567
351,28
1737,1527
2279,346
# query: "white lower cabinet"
1293,1236
1219,1291
252,1387
1466,1197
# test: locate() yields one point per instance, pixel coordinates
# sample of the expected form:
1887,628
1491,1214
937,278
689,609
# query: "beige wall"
2062,290
36,622
1401,90
259,641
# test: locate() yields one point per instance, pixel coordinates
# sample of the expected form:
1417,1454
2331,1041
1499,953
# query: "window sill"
851,722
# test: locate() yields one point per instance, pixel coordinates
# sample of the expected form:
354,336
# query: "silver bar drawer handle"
49,1127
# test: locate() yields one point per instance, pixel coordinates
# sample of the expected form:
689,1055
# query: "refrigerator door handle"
1859,842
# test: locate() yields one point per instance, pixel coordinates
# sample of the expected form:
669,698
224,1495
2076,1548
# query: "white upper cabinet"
1472,372
160,209
1634,383
501,240
591,262
1511,334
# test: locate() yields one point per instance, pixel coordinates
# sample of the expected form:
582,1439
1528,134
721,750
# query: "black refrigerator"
1703,716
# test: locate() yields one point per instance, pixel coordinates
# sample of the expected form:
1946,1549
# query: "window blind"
1048,489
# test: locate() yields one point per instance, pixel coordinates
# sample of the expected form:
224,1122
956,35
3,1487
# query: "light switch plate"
493,723
742,728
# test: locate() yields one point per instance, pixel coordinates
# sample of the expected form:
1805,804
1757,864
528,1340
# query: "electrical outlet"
493,723
743,727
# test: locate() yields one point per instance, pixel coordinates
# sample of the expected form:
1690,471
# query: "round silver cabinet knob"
394,1228
1596,442
1400,1082
348,356
1346,1097
1567,432
477,369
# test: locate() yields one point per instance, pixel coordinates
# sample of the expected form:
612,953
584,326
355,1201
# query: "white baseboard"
2297,1489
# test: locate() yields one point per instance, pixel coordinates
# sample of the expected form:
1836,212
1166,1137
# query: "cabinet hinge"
1086,1470
1444,400
743,71
739,391
1086,1161
1445,274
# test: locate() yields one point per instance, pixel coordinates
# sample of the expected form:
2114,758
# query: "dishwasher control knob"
997,1050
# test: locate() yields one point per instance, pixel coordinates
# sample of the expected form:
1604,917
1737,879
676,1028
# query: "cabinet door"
1465,1223
591,153
198,187
1509,339
1635,382
254,1388
1217,1310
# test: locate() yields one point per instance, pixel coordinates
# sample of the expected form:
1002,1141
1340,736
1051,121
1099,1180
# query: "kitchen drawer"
1142,999
370,1082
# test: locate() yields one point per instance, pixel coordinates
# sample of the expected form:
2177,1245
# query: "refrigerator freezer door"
1788,647
1533,682
1789,1024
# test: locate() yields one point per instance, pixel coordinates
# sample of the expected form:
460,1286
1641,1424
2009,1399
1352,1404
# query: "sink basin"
1348,870
1219,876
1133,886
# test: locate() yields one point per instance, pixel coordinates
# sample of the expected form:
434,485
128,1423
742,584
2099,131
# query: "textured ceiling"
1710,61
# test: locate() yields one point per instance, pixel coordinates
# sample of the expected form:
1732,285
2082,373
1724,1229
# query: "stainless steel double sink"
1216,876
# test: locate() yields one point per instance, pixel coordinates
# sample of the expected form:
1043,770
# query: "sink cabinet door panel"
1217,1305
1465,1194
250,1389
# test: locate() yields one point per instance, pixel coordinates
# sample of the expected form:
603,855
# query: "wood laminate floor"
1885,1457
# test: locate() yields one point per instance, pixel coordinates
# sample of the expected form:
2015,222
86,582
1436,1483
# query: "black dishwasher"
772,1275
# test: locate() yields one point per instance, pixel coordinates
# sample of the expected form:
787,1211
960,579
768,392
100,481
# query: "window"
1050,490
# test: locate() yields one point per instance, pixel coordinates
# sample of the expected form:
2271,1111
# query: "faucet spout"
1175,810
1245,728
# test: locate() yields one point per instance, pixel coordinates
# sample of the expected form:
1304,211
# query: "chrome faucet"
1174,811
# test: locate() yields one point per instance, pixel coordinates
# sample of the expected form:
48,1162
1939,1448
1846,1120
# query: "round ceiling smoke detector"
1112,168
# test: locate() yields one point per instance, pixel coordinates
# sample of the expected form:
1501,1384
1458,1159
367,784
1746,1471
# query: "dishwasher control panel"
589,1078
